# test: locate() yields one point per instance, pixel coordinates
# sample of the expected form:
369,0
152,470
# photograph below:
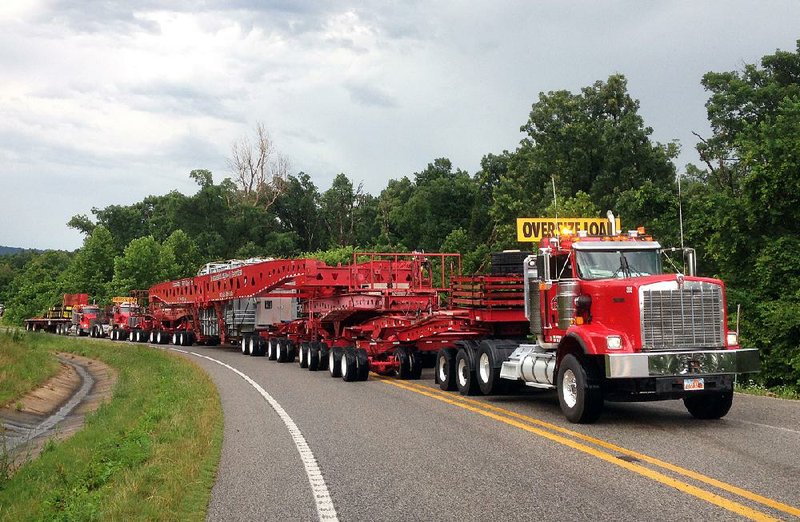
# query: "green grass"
150,453
754,388
23,366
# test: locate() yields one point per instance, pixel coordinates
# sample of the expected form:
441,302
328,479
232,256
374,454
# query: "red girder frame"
380,301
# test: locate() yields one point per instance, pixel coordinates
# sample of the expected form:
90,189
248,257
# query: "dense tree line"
592,148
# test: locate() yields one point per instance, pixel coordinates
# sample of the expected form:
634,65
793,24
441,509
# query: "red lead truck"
607,323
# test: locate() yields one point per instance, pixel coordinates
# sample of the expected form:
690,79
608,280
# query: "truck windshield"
609,264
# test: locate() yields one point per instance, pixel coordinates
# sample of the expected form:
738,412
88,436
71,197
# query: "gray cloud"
106,102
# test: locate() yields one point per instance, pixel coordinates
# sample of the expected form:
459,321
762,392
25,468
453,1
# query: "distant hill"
7,251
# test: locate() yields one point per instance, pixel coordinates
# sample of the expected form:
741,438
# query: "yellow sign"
533,229
123,300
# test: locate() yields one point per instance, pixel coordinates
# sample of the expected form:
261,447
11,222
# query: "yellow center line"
755,497
702,494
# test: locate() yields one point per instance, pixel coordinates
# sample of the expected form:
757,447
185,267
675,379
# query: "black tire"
260,346
303,353
362,364
348,366
579,392
446,369
244,344
323,356
410,362
465,376
152,337
335,361
252,345
272,348
144,336
284,354
313,357
709,405
487,372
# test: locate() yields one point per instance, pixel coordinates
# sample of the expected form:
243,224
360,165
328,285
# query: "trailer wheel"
348,364
272,348
335,361
579,392
260,345
410,362
465,376
446,369
362,364
323,355
709,405
314,353
282,352
303,359
252,346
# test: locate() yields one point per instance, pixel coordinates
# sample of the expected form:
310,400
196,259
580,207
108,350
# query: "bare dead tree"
259,170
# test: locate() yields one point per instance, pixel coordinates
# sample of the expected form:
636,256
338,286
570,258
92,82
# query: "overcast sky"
107,102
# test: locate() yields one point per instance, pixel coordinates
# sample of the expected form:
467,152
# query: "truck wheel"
272,348
283,351
487,372
348,365
323,355
303,359
465,377
252,348
362,364
243,346
152,338
410,362
446,369
579,392
709,405
313,357
335,361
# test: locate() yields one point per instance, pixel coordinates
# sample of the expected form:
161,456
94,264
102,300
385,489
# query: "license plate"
693,384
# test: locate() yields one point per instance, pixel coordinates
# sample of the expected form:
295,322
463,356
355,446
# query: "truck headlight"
614,342
733,339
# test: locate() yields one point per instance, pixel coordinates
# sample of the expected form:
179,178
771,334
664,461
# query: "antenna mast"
680,209
555,200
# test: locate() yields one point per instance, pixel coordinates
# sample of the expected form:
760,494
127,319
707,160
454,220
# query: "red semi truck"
73,316
606,323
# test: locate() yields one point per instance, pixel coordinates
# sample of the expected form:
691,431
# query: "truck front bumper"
680,364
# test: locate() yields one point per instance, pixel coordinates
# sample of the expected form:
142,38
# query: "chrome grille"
685,317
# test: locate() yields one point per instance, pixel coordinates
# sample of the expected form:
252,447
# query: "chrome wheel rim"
442,375
331,362
569,388
483,367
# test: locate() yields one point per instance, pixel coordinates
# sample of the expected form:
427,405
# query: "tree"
298,209
748,195
259,170
180,248
37,287
141,265
338,210
92,267
596,142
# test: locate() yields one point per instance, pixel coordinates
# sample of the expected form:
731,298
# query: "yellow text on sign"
534,229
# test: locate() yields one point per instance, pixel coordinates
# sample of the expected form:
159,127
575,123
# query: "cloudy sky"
105,102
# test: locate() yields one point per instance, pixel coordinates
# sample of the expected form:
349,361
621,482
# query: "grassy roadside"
22,367
779,392
151,453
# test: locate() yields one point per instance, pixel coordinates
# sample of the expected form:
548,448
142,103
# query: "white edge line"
322,497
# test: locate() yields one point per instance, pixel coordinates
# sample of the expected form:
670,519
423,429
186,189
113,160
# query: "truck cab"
610,324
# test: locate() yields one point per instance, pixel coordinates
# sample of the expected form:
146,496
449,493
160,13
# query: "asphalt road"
403,450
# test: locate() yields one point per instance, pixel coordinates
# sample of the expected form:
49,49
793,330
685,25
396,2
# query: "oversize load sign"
534,229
